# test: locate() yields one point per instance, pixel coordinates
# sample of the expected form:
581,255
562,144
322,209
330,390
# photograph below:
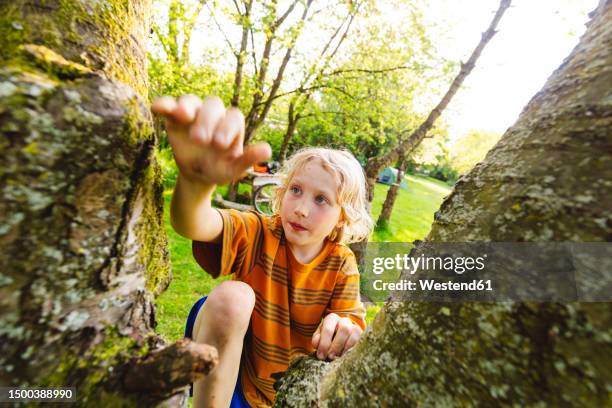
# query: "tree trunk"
296,106
376,164
84,248
407,146
548,179
291,125
262,102
387,209
245,22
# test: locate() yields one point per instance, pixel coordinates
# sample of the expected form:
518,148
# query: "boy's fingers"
230,130
164,105
315,339
327,333
210,114
186,109
256,153
343,332
353,339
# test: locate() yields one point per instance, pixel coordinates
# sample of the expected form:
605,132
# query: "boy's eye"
321,199
295,189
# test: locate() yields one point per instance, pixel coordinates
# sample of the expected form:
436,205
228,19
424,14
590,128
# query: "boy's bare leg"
222,322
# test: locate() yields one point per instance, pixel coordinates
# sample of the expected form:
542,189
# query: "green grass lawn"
413,211
411,219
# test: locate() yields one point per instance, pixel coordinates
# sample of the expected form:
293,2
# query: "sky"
533,38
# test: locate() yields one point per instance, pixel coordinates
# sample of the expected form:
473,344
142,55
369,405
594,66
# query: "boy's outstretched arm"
207,142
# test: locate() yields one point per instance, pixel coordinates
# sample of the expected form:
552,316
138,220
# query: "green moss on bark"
102,36
71,212
54,63
13,31
152,235
90,372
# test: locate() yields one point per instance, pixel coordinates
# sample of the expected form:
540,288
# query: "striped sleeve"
346,301
242,233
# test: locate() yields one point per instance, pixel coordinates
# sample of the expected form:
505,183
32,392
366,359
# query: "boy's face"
310,209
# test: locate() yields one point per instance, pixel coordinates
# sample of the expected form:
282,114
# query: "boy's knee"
230,305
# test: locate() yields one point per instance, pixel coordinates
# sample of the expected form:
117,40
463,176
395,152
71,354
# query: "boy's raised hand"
207,139
335,336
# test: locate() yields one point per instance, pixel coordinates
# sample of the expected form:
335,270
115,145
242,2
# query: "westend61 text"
430,284
411,264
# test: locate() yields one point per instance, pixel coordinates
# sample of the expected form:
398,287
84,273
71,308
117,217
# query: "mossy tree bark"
84,249
548,179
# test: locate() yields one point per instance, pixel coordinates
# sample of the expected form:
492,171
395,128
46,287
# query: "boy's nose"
301,208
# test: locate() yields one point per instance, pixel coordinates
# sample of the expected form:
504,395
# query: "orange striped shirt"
291,297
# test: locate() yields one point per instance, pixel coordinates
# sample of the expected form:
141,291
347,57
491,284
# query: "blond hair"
357,223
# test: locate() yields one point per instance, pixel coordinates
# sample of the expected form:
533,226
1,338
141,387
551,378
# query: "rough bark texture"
84,248
548,179
171,367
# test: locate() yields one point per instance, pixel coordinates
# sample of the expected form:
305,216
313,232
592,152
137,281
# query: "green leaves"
364,95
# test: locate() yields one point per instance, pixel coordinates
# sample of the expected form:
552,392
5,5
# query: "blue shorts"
238,399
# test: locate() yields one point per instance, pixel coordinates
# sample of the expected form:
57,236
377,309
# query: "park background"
85,238
359,76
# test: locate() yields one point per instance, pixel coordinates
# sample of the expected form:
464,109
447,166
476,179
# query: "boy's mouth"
297,227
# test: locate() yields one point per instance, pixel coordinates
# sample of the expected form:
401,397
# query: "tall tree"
84,248
548,179
377,163
176,38
402,165
262,98
265,91
366,101
314,75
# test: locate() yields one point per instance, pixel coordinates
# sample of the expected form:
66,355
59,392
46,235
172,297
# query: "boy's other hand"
207,139
335,336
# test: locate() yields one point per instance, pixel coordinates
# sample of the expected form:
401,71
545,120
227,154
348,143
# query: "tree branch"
161,39
240,56
255,118
237,7
253,53
314,87
229,43
377,163
171,368
335,113
367,71
280,21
